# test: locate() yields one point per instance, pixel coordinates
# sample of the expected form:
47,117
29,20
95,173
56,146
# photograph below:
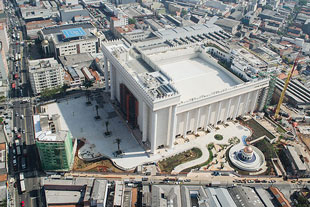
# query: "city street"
27,159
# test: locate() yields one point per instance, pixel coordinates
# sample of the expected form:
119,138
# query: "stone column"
197,120
228,109
186,124
173,126
106,74
208,116
111,81
237,107
154,132
218,112
254,102
145,121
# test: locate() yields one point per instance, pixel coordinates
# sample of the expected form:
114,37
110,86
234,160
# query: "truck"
22,186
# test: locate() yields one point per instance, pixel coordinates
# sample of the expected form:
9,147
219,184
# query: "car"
19,136
16,114
14,161
22,116
19,129
22,203
23,131
14,151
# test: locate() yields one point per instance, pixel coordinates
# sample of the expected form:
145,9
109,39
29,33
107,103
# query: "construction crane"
289,75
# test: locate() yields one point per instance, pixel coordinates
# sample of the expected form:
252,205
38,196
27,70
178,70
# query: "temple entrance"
129,105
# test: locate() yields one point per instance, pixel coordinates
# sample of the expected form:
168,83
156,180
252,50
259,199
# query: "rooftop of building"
299,164
42,63
198,80
58,35
181,32
280,197
81,59
179,70
44,132
245,196
227,22
67,15
99,190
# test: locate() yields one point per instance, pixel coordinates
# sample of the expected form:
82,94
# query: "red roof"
280,197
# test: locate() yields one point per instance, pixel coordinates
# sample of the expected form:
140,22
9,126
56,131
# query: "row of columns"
108,72
246,108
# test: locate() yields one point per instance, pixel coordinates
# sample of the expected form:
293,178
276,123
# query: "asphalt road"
22,90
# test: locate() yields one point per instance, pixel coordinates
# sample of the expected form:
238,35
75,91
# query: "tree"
118,142
88,83
107,128
131,21
183,12
50,92
87,96
97,117
64,88
218,137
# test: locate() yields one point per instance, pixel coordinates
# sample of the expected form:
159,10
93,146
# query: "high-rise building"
45,74
56,147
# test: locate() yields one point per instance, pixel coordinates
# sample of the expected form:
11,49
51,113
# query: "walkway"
204,157
201,142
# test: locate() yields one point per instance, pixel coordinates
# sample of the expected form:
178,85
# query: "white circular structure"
247,158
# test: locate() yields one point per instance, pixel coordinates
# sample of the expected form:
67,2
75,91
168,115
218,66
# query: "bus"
22,186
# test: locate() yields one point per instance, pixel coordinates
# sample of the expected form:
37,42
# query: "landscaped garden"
168,164
210,147
269,152
218,137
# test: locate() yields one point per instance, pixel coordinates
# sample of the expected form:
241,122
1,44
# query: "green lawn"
167,165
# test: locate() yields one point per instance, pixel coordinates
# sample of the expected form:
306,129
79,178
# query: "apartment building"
45,74
56,147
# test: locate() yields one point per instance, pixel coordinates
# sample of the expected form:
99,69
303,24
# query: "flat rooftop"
195,77
74,32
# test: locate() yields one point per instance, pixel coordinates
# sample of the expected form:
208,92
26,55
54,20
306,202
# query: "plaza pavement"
79,119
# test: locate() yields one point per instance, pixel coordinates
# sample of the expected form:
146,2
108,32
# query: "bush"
218,137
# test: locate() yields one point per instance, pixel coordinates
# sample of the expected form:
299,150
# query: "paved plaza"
79,118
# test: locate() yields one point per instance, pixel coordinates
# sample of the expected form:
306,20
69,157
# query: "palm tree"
118,142
88,96
97,117
107,128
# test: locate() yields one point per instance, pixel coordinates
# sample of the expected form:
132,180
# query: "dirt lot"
98,166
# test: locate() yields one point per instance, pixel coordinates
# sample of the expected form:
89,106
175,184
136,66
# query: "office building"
56,147
70,39
45,74
167,92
